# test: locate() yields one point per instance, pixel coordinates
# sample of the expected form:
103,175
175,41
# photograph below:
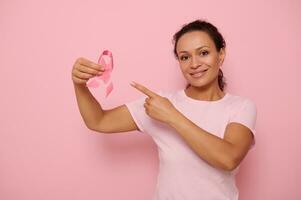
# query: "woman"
202,132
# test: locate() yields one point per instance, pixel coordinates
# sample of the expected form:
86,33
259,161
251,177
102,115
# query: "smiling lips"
198,73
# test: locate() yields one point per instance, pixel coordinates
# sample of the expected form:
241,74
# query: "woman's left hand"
156,106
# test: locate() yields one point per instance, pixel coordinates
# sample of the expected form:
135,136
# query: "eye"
204,53
183,57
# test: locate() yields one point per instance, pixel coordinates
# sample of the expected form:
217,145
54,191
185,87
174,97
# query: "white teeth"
198,74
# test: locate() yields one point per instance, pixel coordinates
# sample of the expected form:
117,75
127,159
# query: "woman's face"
198,58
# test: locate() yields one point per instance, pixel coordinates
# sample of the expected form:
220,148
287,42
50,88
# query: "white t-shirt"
184,175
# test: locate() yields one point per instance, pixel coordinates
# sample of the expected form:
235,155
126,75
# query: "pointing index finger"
144,90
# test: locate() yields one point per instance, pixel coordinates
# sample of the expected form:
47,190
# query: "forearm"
90,110
216,151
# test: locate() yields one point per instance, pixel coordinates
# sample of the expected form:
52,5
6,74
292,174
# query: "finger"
82,75
144,90
90,64
147,100
78,80
146,108
84,69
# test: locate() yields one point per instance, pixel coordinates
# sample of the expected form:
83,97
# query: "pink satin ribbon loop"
105,60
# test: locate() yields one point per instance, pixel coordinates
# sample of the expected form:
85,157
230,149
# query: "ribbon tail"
109,89
92,83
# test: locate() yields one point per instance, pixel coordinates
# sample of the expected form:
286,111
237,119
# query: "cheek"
213,72
211,61
183,67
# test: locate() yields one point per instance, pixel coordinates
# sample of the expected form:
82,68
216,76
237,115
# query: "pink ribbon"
105,60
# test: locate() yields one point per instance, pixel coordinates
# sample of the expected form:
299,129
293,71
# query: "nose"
195,62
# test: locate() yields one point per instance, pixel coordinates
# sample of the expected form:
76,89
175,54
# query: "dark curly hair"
215,35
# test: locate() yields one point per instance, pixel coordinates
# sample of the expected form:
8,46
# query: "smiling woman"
202,132
213,41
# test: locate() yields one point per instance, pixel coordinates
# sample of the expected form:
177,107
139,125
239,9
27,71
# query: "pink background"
46,152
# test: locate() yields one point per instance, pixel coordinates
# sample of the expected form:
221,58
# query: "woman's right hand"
84,69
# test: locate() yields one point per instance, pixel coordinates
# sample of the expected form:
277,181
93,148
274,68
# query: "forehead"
192,40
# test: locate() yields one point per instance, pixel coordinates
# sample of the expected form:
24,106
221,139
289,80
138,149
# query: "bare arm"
225,153
90,110
114,120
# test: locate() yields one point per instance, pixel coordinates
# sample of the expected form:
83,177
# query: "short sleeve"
137,110
246,115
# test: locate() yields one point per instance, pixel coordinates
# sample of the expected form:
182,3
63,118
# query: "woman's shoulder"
240,100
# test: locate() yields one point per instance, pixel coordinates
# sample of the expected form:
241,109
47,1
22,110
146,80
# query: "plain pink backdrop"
46,152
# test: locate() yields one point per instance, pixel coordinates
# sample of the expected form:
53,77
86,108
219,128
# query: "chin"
201,82
198,85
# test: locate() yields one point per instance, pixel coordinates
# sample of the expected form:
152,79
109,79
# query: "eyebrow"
195,49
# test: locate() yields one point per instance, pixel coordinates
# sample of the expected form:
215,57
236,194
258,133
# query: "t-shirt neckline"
183,94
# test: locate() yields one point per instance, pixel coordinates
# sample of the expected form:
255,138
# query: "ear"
222,55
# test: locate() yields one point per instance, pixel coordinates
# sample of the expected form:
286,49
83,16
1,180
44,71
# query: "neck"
213,93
